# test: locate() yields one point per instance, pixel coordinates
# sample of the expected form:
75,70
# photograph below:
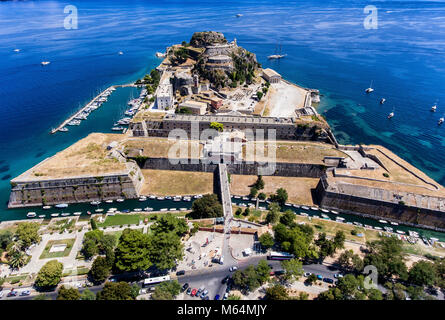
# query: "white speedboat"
99,210
63,129
433,108
339,219
148,209
382,101
173,209
163,209
400,232
55,214
168,198
391,115
378,228
137,210
109,201
176,199
324,210
61,205
44,63
160,198
394,223
46,207
370,89
238,15
95,203
334,212
120,200
152,197
31,214
183,209
441,120
314,208
244,198
65,214
296,206
117,128
78,213
16,50
42,216
143,198
120,53
304,208
324,216
383,221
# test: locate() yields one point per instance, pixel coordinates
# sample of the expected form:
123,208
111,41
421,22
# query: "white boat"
378,228
324,216
173,209
383,221
288,204
120,53
63,129
296,206
334,212
304,208
244,198
324,210
168,198
137,210
120,200
46,207
304,214
77,213
183,209
340,219
55,214
433,108
61,205
148,209
112,209
31,214
238,15
99,210
117,128
152,197
394,223
237,197
160,198
65,214
370,89
44,63
187,199
16,50
109,201
42,216
176,199
400,232
389,229
314,208
160,55
143,198
382,101
95,203
391,115
163,209
441,120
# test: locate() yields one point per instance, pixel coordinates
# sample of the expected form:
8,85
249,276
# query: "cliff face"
206,38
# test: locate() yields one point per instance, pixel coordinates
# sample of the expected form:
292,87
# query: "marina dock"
89,107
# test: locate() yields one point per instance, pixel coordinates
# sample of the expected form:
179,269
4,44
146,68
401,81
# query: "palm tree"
17,259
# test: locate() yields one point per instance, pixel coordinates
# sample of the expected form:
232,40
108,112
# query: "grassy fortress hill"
212,83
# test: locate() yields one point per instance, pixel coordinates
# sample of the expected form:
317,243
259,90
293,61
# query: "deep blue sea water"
327,46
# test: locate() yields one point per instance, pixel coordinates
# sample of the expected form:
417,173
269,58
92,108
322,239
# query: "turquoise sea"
326,44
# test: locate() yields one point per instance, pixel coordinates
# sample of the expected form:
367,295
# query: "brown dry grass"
86,157
166,182
298,189
160,147
294,151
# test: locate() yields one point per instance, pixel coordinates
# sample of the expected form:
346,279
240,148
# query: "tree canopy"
167,290
206,207
65,293
132,252
27,233
116,291
49,275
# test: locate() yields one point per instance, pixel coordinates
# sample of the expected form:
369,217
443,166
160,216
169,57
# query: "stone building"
271,75
196,107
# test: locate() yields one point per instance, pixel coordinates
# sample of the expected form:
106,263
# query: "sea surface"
327,47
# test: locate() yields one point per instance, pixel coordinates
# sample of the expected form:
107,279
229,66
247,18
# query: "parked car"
189,290
201,289
328,280
225,280
226,295
233,268
185,286
204,293
12,293
216,297
279,272
319,277
338,275
229,287
25,293
193,293
180,273
1,294
307,274
206,298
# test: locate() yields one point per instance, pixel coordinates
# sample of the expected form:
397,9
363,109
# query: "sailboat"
370,89
277,56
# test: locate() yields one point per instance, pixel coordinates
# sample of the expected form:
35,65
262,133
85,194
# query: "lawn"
46,254
16,279
121,220
79,271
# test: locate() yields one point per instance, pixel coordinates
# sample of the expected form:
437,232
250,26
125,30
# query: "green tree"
263,271
350,262
233,297
87,294
17,259
388,257
239,212
293,269
170,223
68,294
41,296
115,291
217,126
100,270
259,183
276,292
374,294
262,196
5,239
288,218
422,273
165,249
28,233
253,192
266,240
280,196
49,275
132,252
206,207
246,212
339,240
93,224
167,290
259,94
311,279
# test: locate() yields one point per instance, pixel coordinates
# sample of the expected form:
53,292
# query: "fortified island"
211,83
